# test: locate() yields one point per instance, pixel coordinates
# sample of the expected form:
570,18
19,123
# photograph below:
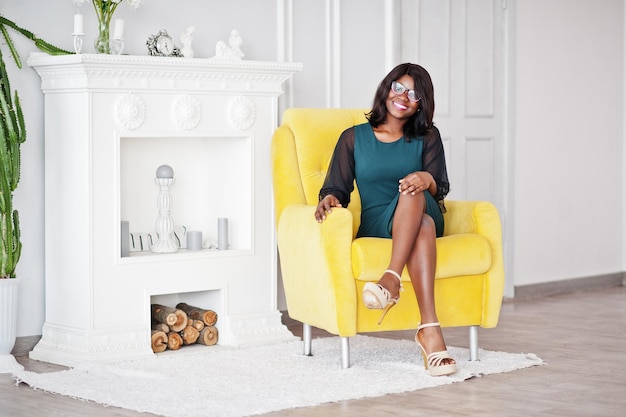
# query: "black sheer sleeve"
435,163
340,176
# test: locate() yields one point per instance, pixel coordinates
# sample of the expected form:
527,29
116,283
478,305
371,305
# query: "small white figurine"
186,38
233,50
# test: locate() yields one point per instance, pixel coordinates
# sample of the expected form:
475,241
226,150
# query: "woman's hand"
416,182
324,207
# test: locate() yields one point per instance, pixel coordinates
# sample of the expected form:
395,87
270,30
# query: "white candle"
222,233
125,237
194,240
78,24
118,33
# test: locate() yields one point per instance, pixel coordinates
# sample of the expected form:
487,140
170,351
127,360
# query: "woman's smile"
399,106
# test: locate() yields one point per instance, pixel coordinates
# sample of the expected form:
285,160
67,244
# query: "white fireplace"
110,121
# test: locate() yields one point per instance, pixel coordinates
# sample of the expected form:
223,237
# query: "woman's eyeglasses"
399,89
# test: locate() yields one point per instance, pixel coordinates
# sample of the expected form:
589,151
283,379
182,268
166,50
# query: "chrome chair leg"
345,353
473,343
306,338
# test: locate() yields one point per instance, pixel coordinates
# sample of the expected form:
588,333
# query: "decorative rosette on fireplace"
186,112
130,111
242,113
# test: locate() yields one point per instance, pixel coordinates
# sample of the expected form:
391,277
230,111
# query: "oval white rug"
231,382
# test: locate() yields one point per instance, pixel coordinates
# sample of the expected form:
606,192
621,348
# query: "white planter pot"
8,324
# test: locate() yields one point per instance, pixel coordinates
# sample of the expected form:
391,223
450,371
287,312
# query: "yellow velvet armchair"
324,267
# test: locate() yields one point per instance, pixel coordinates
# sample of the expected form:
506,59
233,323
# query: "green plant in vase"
12,135
104,12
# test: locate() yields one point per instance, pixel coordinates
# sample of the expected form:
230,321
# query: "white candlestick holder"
78,42
117,46
78,33
166,242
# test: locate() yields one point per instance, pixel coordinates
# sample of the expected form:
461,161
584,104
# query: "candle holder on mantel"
117,43
117,46
78,33
164,223
78,42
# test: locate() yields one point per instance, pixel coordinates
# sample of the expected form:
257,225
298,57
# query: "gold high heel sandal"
433,362
376,297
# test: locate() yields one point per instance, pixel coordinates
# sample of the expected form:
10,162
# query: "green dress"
378,167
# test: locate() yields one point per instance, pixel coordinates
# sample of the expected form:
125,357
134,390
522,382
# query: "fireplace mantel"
149,72
110,121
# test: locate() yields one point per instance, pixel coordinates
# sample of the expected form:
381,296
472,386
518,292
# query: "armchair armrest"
287,186
481,217
316,268
472,217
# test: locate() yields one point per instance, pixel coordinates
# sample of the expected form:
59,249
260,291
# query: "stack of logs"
184,325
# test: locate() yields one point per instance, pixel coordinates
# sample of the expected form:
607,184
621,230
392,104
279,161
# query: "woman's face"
401,101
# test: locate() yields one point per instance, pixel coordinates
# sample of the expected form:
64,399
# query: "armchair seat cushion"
457,255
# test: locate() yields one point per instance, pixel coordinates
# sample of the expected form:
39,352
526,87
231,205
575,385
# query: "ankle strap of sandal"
421,326
395,274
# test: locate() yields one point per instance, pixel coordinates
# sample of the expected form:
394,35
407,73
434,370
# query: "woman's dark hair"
422,120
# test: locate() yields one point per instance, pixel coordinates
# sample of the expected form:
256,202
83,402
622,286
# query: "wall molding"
284,48
568,286
333,51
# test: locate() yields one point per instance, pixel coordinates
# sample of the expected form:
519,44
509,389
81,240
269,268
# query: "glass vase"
102,42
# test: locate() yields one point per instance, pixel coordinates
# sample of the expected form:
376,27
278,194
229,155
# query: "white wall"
569,97
568,140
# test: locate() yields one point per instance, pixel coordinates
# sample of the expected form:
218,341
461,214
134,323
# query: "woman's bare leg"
405,229
414,245
421,267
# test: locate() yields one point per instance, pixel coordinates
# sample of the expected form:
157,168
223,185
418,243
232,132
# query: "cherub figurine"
233,50
186,39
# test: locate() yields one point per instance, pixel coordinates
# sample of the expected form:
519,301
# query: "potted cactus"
12,135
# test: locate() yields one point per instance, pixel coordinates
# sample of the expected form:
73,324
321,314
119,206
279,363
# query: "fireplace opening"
212,182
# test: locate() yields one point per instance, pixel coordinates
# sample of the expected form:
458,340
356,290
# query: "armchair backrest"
302,148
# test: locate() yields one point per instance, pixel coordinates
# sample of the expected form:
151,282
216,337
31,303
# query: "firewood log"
163,314
159,341
174,341
197,324
190,335
162,327
209,317
208,336
173,317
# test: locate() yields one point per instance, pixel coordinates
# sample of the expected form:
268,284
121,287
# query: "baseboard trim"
568,286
